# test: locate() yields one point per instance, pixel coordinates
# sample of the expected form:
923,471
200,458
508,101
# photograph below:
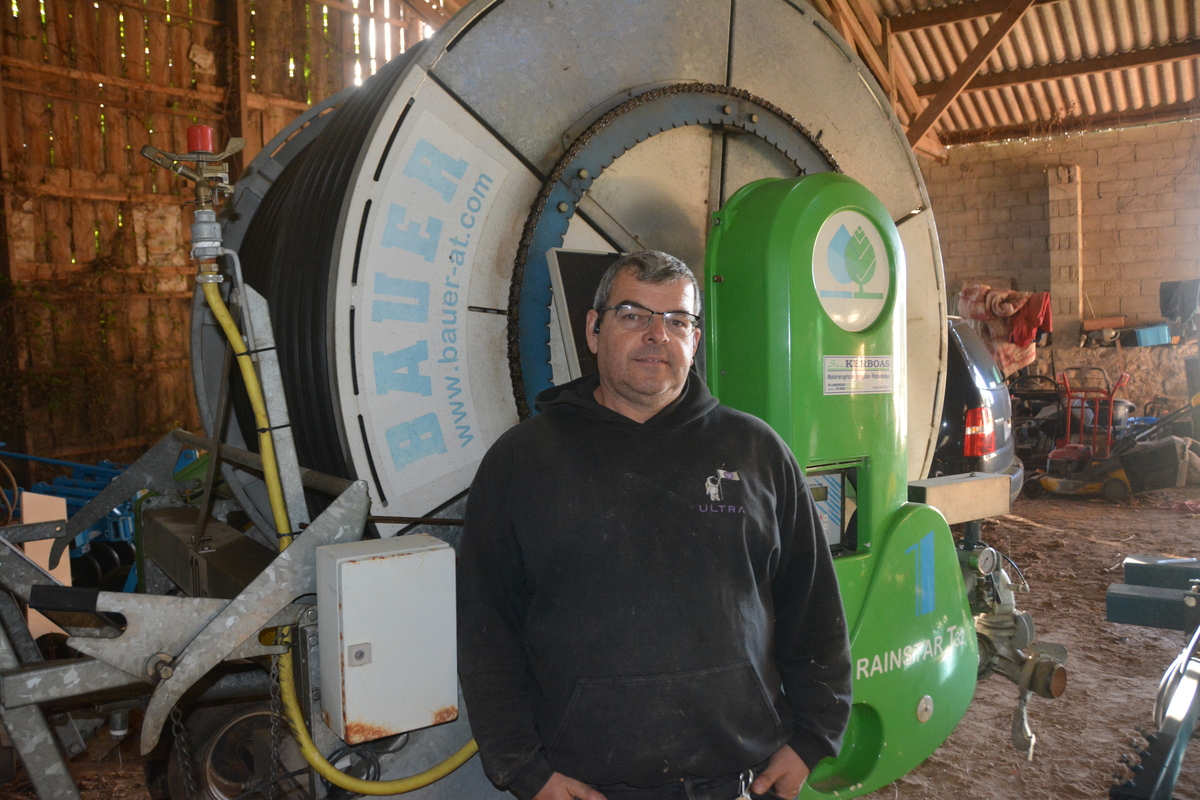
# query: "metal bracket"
236,145
34,531
18,574
154,624
58,680
35,742
291,575
253,647
1023,737
262,343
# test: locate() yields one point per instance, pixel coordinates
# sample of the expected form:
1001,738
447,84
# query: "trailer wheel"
231,750
1115,490
1033,488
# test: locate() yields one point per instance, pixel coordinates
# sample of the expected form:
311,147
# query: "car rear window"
984,371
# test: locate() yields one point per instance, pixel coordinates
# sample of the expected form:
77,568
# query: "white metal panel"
797,61
385,619
559,63
658,191
926,349
446,231
964,498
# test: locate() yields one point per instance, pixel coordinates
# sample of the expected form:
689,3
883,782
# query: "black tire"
115,580
1033,489
1115,490
85,571
230,748
125,552
105,556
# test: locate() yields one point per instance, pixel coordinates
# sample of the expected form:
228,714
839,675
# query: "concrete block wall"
1138,217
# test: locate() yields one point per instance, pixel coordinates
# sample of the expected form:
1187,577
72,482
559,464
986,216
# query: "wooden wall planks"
98,293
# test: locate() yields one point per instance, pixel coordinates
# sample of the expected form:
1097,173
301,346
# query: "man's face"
642,371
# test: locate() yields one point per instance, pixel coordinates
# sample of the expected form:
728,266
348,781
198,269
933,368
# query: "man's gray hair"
647,266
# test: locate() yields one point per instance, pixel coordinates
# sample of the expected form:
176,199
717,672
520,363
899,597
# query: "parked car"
976,429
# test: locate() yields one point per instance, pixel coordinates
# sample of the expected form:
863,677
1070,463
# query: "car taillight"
980,439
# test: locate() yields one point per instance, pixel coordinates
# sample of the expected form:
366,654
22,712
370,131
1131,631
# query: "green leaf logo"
860,258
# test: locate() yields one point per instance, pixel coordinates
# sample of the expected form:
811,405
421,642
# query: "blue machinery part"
84,482
1160,593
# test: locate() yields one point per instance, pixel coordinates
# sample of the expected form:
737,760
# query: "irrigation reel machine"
374,308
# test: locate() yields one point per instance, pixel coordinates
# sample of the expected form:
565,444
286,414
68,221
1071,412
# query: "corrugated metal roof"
1057,33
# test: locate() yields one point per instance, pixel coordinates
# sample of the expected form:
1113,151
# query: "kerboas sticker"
859,375
851,270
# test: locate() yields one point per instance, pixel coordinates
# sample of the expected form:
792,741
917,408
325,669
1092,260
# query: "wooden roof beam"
930,145
1074,69
1145,116
870,23
891,81
955,13
967,69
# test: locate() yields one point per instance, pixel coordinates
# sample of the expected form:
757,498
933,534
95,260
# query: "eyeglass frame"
695,318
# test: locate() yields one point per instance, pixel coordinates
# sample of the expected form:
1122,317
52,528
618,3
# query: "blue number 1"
926,583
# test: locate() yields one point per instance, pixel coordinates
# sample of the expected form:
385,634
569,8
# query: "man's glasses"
636,318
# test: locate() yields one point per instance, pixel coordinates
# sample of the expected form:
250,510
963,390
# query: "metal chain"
187,762
276,728
543,196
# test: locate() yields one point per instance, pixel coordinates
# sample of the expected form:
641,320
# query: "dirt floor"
107,770
1069,551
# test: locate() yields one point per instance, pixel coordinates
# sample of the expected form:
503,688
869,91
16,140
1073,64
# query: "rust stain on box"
359,732
447,714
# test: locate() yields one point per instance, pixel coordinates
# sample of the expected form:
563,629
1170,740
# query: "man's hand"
560,787
786,772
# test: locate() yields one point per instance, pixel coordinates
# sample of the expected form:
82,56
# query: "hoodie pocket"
652,729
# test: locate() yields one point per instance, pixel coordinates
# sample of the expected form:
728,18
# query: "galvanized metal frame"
292,575
168,642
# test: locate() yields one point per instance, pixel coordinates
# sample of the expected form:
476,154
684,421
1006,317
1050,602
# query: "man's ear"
592,329
696,334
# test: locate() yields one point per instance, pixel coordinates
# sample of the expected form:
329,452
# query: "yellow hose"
329,772
287,682
266,444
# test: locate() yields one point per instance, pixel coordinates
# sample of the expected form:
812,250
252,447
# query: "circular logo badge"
851,270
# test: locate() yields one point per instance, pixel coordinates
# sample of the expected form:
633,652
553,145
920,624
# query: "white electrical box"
386,636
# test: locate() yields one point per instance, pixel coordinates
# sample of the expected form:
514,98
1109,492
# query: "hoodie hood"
579,396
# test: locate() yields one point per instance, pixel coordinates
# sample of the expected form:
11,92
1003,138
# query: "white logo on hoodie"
712,484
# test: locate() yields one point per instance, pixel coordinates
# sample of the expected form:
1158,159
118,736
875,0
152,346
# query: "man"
647,604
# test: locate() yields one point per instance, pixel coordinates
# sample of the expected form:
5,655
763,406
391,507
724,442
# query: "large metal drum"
399,230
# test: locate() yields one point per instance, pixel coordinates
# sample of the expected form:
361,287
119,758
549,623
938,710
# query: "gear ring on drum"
702,104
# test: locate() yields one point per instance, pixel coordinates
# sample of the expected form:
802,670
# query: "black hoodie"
639,603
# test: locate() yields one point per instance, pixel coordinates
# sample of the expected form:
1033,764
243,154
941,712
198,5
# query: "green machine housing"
809,272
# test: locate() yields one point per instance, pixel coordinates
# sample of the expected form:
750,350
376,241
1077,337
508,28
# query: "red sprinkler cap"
200,139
